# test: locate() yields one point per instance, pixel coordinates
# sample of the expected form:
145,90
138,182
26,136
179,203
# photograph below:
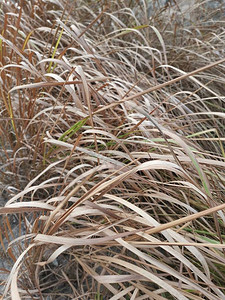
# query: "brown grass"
112,150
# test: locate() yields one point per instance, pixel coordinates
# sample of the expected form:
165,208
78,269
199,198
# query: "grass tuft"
112,149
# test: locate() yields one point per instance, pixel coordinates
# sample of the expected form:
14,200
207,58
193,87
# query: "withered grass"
112,149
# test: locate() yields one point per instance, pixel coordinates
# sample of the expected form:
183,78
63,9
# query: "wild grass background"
112,149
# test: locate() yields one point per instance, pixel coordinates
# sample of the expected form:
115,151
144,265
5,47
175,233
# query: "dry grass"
112,150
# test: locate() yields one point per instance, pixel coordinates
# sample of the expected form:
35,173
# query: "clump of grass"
112,149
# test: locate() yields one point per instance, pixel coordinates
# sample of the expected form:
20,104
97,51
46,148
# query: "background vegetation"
112,149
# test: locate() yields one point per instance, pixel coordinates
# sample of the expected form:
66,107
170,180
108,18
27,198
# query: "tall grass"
112,149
